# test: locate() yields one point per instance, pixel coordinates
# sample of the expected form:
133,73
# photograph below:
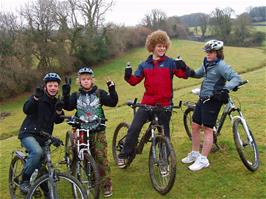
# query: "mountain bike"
49,182
78,156
162,158
244,140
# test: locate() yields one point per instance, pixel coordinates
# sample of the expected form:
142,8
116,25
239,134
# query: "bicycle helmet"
213,45
86,70
49,77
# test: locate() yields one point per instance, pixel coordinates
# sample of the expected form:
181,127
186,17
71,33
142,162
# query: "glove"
66,87
57,142
39,92
128,71
192,73
180,63
222,95
110,83
59,105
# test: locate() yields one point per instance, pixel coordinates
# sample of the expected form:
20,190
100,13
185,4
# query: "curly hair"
157,37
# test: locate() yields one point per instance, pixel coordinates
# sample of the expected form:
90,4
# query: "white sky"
131,12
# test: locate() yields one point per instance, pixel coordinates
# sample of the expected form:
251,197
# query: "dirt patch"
3,115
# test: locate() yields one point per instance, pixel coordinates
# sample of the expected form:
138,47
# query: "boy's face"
159,50
211,56
86,81
52,88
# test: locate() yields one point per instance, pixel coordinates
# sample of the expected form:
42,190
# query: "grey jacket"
217,75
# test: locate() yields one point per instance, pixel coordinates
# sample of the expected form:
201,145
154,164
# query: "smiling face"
86,81
159,50
211,56
52,88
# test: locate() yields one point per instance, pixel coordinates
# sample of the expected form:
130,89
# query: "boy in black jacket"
88,103
43,109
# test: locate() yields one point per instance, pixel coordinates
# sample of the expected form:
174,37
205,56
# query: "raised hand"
39,92
66,87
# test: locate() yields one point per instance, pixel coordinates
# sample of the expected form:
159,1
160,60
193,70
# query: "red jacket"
158,81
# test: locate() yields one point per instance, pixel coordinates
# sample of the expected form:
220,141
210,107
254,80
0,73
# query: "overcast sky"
130,12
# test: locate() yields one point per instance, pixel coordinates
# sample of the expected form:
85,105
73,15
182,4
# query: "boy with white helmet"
88,102
219,79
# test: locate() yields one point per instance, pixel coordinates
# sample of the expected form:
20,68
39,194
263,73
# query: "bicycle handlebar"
157,107
77,120
240,84
55,141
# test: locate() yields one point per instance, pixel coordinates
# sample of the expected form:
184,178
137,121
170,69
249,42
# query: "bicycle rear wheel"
15,177
119,138
66,187
187,120
246,145
89,177
162,165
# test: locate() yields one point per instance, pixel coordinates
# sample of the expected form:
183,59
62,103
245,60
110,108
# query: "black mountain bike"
243,137
78,156
162,158
49,183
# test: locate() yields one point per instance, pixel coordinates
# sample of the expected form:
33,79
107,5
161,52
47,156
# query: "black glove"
192,73
110,83
66,87
222,95
128,72
57,142
59,105
39,92
180,64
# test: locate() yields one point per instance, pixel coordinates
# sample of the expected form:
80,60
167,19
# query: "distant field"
226,177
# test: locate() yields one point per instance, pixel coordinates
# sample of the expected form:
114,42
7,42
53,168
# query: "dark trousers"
140,118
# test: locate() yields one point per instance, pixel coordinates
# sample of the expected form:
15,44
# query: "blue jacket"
217,75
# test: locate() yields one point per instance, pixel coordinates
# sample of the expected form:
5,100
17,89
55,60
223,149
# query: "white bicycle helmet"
213,45
86,70
50,77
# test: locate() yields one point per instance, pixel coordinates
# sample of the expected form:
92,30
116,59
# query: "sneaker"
191,157
121,163
107,191
25,187
200,163
122,155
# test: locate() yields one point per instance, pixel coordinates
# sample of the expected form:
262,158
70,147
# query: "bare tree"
221,22
155,20
93,12
204,20
40,23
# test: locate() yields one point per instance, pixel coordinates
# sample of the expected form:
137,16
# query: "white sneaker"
191,157
200,163
121,163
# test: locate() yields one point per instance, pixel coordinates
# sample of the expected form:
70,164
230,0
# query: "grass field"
226,177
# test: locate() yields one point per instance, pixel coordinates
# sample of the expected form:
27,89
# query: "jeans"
34,158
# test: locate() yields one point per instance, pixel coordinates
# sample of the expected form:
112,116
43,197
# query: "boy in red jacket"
157,71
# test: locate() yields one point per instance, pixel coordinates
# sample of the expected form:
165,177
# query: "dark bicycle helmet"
213,45
50,77
86,70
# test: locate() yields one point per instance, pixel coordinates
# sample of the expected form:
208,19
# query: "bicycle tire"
70,152
187,120
119,139
165,166
15,178
249,158
73,185
89,176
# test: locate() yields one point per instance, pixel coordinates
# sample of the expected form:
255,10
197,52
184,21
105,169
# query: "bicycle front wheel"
162,165
246,145
15,177
187,120
66,186
89,177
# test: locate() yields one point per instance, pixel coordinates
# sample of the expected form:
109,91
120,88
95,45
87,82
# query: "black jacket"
41,116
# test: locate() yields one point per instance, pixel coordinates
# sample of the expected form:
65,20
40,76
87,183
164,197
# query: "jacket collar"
83,92
212,63
47,98
150,59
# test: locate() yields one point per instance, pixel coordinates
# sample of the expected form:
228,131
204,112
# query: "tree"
155,20
221,22
203,23
40,23
242,26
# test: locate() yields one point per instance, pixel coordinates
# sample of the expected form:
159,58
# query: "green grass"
226,177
